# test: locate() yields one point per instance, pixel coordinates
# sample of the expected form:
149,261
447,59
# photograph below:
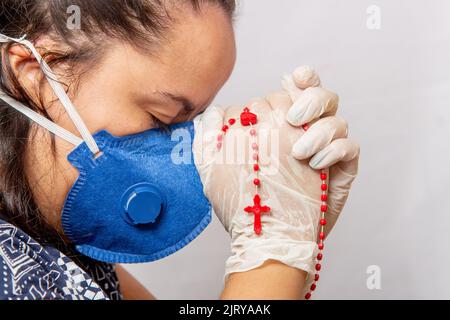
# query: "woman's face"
128,89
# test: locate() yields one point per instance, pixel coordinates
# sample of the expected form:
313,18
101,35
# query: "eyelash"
158,123
161,125
187,109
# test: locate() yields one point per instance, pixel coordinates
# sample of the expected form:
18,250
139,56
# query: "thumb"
302,78
207,128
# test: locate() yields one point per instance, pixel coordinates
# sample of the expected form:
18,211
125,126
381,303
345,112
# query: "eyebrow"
188,105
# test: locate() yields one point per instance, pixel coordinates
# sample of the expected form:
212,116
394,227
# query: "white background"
394,85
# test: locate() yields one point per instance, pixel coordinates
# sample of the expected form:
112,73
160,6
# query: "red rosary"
249,119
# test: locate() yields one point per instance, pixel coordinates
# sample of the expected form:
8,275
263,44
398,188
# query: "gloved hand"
290,187
326,143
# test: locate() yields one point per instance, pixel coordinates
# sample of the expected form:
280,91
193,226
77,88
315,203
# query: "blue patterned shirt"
30,271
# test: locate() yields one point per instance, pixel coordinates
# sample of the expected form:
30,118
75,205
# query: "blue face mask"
138,198
140,201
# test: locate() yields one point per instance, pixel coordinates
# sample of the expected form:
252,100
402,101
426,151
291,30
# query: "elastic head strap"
42,121
63,98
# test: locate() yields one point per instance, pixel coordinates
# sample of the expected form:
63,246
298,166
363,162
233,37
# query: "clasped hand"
290,162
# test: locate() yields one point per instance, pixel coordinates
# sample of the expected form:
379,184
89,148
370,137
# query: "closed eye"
158,124
188,109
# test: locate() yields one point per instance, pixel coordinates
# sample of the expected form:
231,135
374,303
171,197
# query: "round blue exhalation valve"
142,204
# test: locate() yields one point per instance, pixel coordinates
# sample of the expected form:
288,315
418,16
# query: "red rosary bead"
232,122
256,167
257,182
248,118
323,222
225,128
308,296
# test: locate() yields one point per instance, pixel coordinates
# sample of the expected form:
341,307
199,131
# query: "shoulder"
29,271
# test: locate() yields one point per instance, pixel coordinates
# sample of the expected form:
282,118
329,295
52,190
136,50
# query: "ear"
26,68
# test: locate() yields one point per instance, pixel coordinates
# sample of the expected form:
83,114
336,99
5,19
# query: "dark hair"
143,22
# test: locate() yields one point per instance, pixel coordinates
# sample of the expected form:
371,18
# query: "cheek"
113,113
105,101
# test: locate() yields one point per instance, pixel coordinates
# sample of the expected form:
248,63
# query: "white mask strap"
42,121
63,98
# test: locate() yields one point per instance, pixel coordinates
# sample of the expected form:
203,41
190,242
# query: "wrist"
295,247
272,280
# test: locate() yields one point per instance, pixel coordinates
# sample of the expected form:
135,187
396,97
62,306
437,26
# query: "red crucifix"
257,210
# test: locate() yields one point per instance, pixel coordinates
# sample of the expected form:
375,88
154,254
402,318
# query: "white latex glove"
326,143
290,187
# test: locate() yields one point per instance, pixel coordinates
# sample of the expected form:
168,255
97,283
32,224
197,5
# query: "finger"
212,119
280,103
279,100
233,112
342,176
312,104
340,150
207,129
302,78
233,148
258,106
262,109
305,77
319,136
288,85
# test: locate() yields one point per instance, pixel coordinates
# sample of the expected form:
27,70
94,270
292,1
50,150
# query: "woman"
133,66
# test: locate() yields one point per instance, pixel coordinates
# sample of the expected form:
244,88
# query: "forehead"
194,61
201,50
